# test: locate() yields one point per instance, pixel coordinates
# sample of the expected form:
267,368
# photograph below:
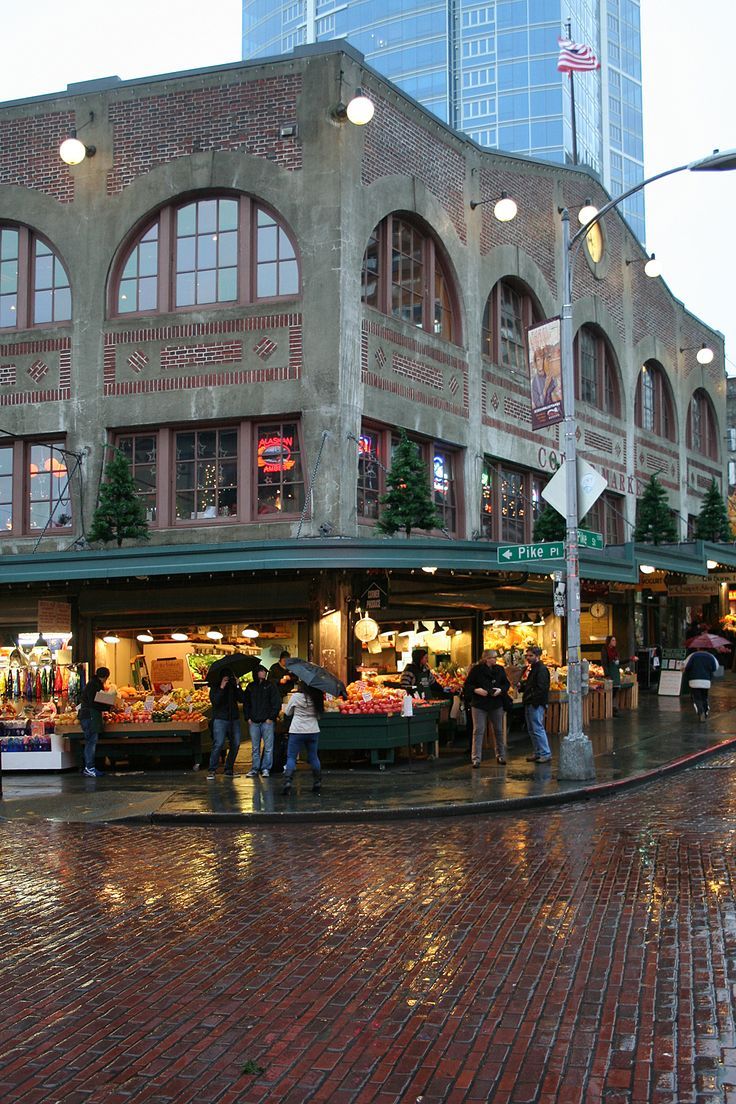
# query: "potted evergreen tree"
550,526
654,521
120,514
713,523
408,502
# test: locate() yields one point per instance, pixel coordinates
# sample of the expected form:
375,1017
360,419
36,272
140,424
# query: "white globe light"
111,638
505,210
653,268
179,634
251,634
145,637
647,569
586,213
360,109
72,151
711,564
704,355
213,633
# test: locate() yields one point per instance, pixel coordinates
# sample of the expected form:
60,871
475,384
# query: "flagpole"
572,104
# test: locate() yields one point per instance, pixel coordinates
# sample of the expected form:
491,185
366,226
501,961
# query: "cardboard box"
106,697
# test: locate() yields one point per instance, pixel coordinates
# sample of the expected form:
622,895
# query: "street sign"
528,553
586,539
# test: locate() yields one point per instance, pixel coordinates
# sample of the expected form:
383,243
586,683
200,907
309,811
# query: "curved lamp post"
576,750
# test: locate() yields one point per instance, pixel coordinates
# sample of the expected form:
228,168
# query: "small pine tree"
654,522
550,526
408,503
713,523
120,513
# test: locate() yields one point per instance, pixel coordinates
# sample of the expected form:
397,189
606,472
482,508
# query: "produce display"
136,707
369,697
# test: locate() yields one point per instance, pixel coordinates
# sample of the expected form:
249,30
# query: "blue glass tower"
490,69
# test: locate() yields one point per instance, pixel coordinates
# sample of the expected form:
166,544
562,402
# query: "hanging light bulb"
180,634
145,637
111,638
213,633
250,634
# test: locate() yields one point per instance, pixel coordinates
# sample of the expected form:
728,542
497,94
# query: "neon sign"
274,454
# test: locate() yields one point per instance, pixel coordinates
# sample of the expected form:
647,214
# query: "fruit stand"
371,720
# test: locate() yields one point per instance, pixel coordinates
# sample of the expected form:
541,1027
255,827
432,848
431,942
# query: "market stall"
372,720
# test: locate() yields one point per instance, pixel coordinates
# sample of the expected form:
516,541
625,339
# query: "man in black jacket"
484,690
281,676
535,695
262,707
225,722
90,718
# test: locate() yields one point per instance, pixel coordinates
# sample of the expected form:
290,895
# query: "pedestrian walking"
700,667
611,663
305,706
535,696
225,699
261,707
483,691
91,720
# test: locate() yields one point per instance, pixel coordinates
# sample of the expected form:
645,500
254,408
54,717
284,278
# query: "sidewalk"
662,735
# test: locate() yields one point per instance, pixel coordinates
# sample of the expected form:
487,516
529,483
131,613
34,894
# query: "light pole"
576,750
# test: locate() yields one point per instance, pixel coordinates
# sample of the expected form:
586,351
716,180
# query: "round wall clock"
598,610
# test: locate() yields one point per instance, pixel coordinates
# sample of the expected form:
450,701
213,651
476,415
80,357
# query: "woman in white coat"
305,707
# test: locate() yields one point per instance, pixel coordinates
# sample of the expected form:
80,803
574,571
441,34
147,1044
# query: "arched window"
654,409
219,249
404,275
596,374
34,285
510,310
702,428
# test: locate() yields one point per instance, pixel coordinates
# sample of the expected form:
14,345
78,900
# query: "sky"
688,107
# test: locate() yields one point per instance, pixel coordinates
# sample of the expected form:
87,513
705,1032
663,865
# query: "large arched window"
702,427
510,310
34,285
404,275
654,409
596,373
215,250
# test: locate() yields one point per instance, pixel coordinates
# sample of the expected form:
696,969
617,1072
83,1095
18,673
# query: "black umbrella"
318,677
238,663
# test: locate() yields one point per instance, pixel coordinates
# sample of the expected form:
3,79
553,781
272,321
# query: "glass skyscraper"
490,70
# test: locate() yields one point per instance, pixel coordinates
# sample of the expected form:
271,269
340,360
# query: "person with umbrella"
305,707
225,695
699,668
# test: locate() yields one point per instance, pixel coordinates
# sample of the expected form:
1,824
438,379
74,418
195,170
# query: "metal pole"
576,750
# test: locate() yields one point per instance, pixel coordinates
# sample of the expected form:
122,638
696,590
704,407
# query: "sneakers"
229,774
476,763
211,776
500,759
91,772
265,774
543,759
252,774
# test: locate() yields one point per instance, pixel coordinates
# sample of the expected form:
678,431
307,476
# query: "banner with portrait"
545,370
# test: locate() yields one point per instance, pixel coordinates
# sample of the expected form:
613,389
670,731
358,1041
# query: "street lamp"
576,750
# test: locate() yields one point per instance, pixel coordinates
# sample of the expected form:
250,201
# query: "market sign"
54,617
274,453
168,669
374,598
704,589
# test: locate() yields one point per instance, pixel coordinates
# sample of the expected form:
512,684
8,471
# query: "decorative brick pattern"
37,139
664,463
137,361
519,411
37,370
380,357
396,144
23,360
417,371
598,441
265,348
176,355
240,115
427,372
454,384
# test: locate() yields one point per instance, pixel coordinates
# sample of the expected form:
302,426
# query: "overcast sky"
688,60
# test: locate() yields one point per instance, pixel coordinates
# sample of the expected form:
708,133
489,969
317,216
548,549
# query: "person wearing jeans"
305,707
225,722
261,707
535,695
90,718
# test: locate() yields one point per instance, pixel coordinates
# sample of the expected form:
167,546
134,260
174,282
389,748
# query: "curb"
413,812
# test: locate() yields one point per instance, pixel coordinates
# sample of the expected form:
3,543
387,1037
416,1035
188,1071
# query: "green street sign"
529,553
587,539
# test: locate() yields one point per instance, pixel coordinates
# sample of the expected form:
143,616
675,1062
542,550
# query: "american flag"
575,58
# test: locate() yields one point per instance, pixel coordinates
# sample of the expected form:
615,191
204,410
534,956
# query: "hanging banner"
545,369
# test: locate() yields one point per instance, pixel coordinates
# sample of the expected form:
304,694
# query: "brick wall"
240,115
35,372
29,153
413,368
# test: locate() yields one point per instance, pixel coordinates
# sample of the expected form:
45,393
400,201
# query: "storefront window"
513,506
280,478
486,500
48,481
206,474
6,489
443,485
511,501
369,483
139,449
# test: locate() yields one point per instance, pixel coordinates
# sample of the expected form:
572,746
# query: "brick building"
250,297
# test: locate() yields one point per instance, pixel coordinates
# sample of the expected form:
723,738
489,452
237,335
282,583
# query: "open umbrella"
318,677
238,663
708,640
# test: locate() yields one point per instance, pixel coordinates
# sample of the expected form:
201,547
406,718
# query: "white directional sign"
528,553
591,485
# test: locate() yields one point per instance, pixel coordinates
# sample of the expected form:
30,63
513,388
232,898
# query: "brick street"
578,954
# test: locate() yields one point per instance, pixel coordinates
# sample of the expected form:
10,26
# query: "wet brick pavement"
580,953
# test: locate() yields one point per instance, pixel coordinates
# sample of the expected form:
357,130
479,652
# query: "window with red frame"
511,501
606,516
375,451
222,474
596,376
34,285
702,429
654,409
510,310
214,250
34,488
405,275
